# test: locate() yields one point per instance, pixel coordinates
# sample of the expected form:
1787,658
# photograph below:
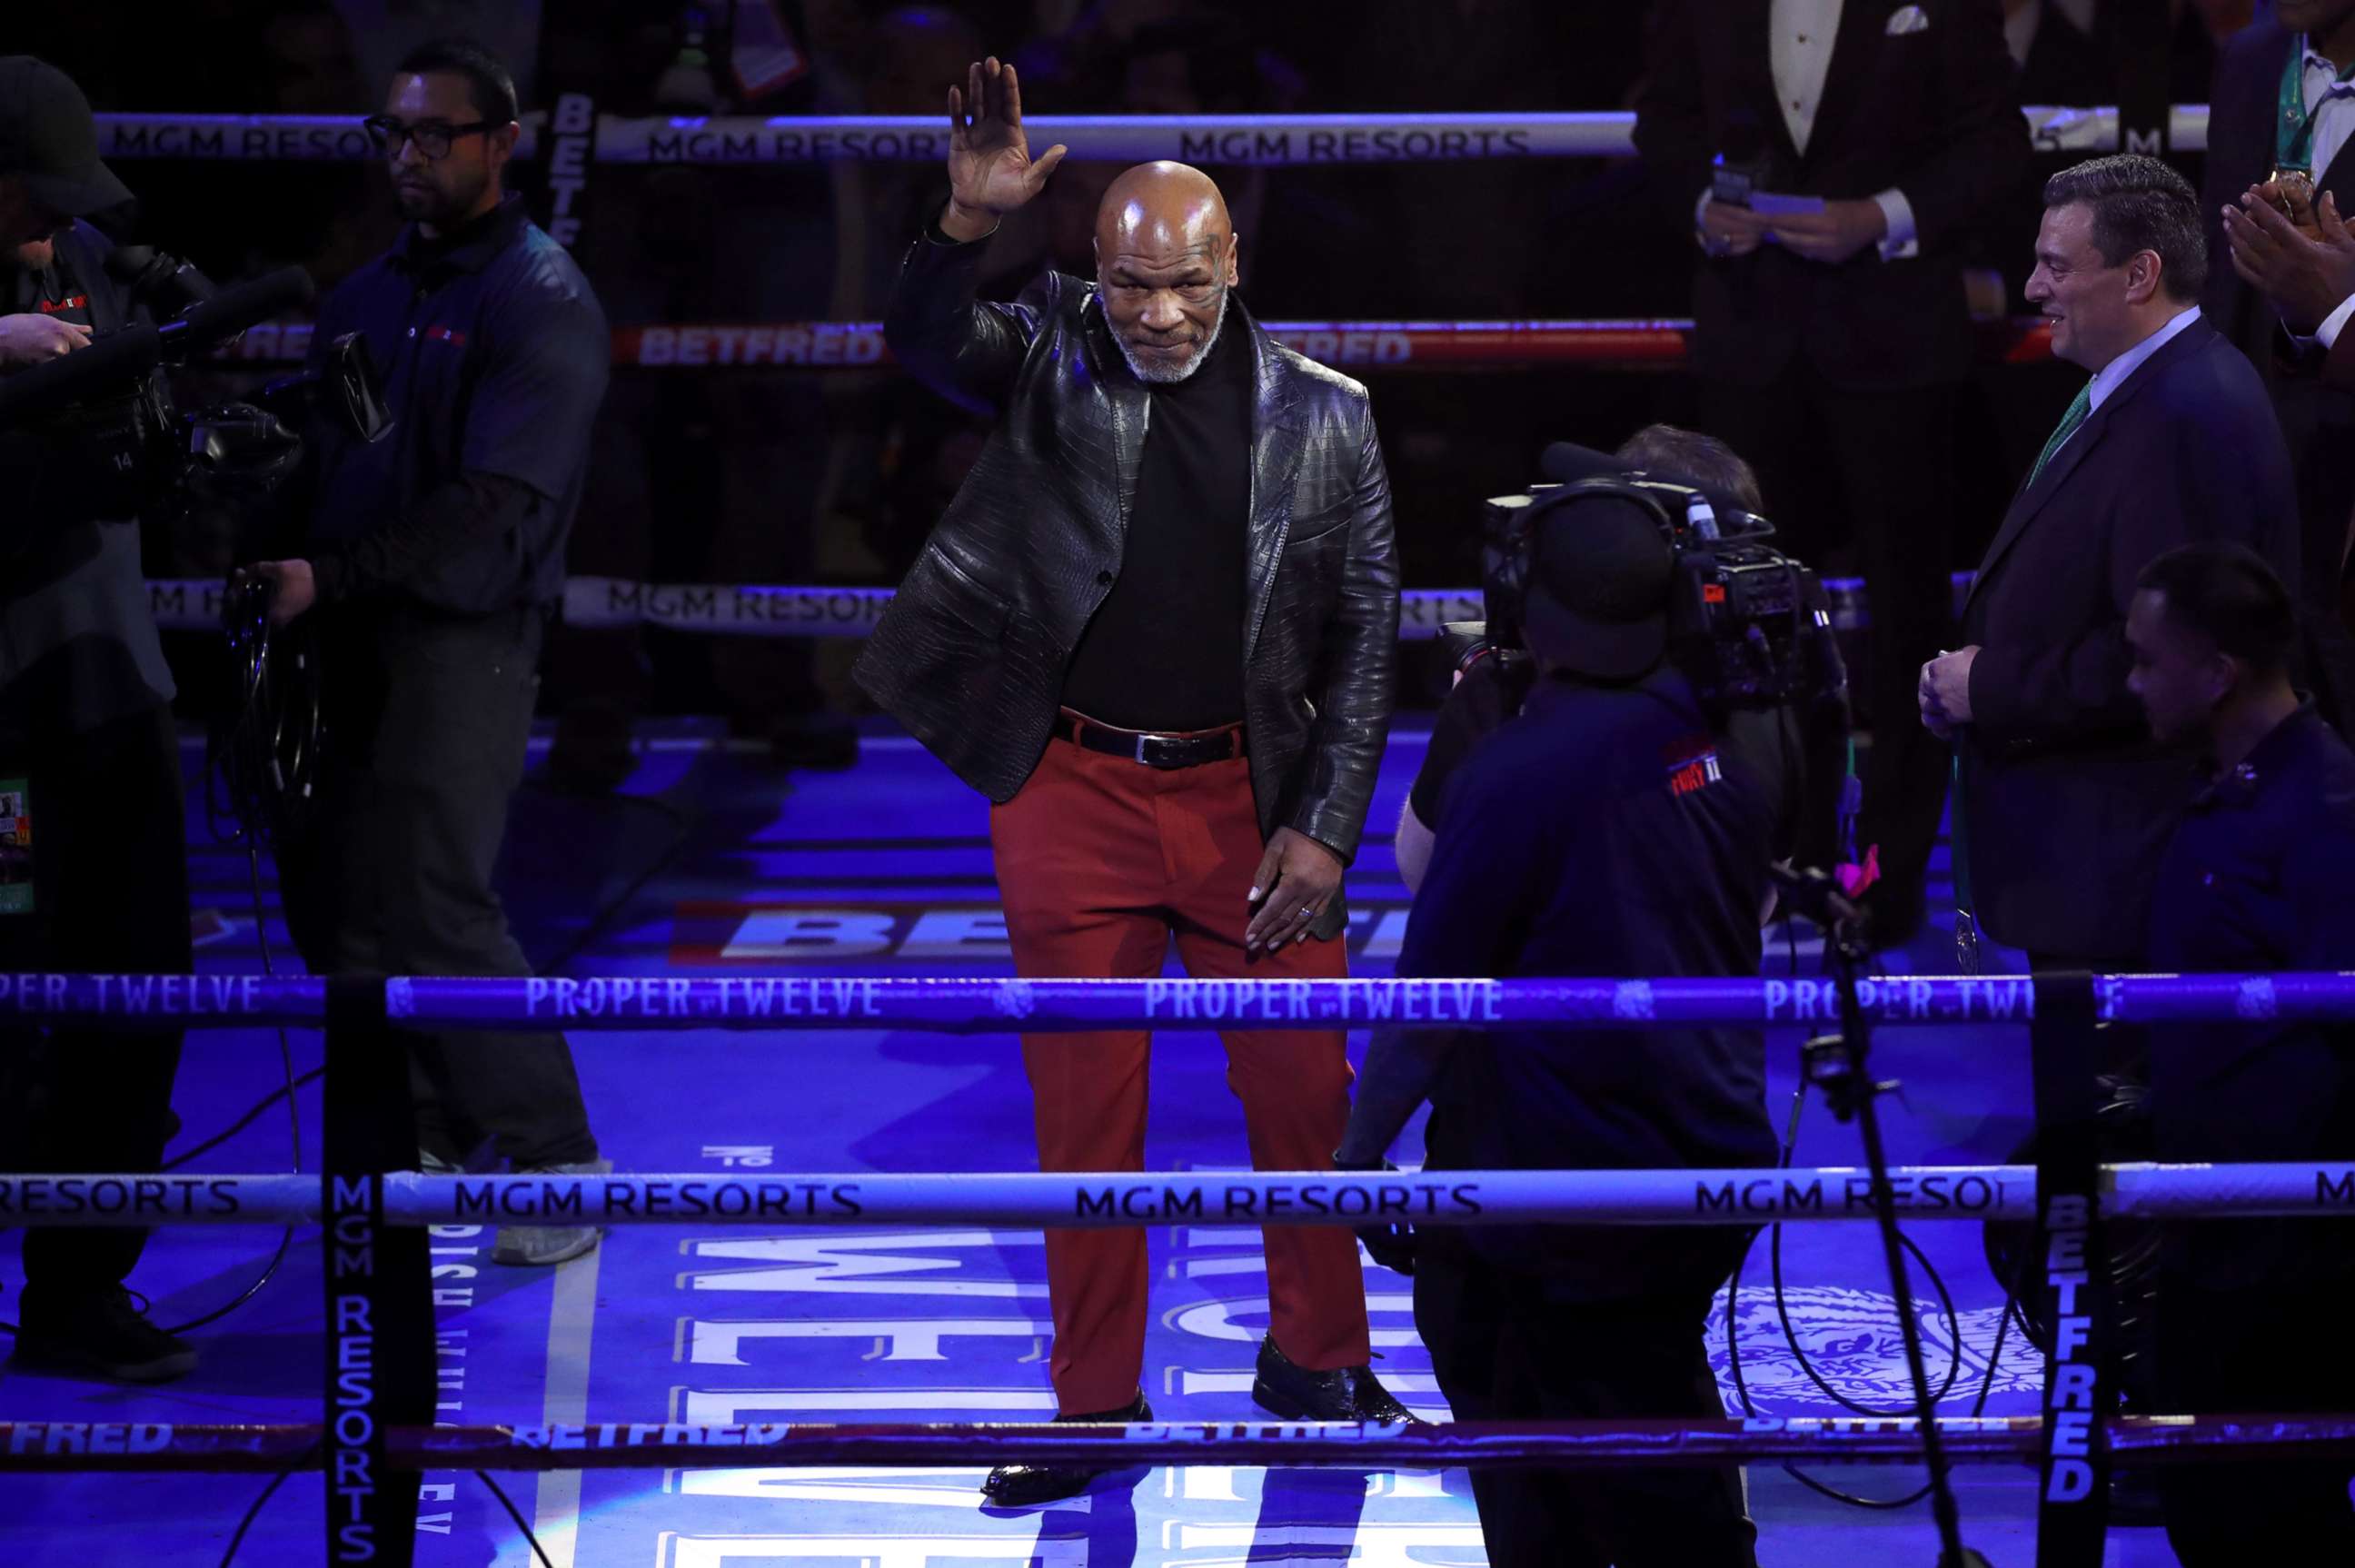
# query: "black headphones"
1685,515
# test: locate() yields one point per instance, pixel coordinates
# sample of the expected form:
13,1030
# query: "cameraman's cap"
1600,573
48,140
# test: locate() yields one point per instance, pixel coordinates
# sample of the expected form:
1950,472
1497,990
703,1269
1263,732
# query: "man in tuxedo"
1843,332
2056,61
2065,801
2283,99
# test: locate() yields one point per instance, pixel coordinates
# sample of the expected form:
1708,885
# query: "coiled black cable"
1782,1316
253,1512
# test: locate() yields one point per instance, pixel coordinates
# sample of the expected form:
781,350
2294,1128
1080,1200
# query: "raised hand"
991,171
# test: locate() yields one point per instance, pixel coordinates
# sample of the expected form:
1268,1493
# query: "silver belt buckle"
1140,749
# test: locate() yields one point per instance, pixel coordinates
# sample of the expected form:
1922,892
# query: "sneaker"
103,1336
533,1246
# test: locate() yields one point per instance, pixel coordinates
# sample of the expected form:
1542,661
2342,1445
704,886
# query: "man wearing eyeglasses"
428,562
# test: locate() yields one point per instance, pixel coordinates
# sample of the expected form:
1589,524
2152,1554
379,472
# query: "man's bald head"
1159,204
1166,255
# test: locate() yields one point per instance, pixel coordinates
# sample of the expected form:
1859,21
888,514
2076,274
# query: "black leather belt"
1153,751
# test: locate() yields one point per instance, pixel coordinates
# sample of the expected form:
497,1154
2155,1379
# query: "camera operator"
430,560
1488,689
89,758
1618,826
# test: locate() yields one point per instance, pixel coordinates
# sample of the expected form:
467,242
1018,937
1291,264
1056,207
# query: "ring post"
380,1340
2072,1499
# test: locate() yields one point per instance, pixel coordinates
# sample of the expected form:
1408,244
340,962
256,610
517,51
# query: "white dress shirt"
2112,376
2332,103
1800,35
2020,32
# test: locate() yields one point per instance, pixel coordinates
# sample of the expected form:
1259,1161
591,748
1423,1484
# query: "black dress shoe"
101,1336
1292,1392
1028,1486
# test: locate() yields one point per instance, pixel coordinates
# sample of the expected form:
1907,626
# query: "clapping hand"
2307,271
991,171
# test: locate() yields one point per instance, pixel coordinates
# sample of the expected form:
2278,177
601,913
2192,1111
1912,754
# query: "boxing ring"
362,1207
363,1201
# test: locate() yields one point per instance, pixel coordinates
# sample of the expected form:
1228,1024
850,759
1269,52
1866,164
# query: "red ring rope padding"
1659,345
58,1446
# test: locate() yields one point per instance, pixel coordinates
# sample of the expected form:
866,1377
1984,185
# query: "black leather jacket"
970,656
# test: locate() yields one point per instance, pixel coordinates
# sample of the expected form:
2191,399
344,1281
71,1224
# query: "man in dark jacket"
2252,1312
1157,629
2065,800
1831,344
2284,104
2281,118
94,863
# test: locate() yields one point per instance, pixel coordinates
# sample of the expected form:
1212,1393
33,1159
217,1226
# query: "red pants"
1100,860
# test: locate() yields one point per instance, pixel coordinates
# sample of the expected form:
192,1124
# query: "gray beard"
1165,375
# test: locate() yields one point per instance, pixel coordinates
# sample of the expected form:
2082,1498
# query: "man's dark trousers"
1888,455
1506,1349
2263,1346
427,721
111,896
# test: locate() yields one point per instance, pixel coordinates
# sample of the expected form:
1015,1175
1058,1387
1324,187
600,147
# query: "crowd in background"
776,476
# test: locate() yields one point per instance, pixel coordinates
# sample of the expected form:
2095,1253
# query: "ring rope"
1102,1199
1661,344
818,610
1270,140
57,1446
992,1006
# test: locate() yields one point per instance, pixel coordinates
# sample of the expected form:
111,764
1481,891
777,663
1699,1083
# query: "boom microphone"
120,358
164,283
234,309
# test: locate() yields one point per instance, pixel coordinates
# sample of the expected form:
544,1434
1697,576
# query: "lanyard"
2294,127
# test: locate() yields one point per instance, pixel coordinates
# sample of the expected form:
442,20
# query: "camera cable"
1807,1366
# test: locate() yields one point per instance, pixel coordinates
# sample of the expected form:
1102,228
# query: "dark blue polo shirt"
494,356
1606,831
2260,876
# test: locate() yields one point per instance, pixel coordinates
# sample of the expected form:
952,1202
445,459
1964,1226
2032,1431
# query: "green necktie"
2078,407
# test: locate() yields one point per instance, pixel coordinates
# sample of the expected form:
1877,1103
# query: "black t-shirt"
1164,649
1475,708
